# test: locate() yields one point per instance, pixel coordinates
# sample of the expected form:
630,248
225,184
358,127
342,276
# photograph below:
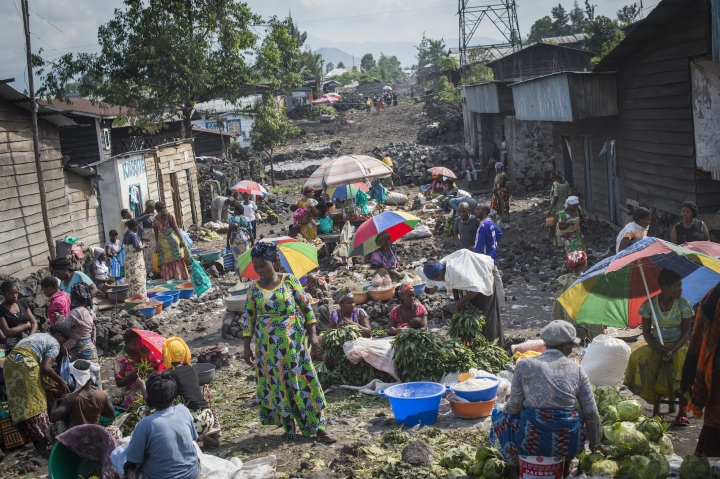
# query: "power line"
55,27
56,49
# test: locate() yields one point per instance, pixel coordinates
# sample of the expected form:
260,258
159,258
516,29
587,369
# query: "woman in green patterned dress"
568,225
558,195
279,315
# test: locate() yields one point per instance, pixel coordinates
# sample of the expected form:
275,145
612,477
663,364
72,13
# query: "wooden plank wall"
22,235
80,143
539,60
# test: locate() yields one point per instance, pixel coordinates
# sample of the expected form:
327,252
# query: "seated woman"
16,319
317,288
437,187
81,321
99,271
385,256
239,235
62,269
84,405
24,368
176,356
125,368
654,370
162,443
540,417
60,302
450,193
306,213
409,313
348,314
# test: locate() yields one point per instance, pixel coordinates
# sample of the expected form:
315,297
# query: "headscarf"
80,292
59,264
572,200
175,351
381,238
339,295
432,270
265,250
97,252
150,204
499,165
402,288
161,390
576,258
83,376
556,174
691,206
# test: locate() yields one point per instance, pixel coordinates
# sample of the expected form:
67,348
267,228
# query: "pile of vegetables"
449,226
208,235
272,217
696,466
485,463
638,444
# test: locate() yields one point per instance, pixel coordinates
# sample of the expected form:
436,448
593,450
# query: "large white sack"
605,360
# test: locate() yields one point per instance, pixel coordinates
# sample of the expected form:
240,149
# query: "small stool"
670,402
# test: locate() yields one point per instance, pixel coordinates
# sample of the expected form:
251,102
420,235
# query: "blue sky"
71,25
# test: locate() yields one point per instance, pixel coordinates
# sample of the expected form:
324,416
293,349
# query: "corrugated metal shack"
655,141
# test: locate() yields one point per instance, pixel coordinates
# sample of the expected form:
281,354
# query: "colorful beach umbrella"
345,192
442,171
612,291
346,170
296,257
250,187
705,247
396,223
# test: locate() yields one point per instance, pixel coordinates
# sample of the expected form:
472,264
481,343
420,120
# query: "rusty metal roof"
23,101
83,106
645,29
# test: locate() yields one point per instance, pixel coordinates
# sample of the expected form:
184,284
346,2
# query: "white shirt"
250,210
219,203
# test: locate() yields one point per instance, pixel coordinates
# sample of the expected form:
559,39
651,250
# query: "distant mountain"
405,51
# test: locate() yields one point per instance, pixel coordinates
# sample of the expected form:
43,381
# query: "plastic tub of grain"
480,388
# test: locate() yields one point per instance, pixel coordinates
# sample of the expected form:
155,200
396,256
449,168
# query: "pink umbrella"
705,247
325,100
442,171
349,169
250,187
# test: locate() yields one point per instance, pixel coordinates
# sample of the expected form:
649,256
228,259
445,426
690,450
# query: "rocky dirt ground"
370,443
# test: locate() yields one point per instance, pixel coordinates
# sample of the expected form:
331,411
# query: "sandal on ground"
682,421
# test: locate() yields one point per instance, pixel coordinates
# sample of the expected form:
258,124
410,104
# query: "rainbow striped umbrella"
612,291
345,192
296,257
396,223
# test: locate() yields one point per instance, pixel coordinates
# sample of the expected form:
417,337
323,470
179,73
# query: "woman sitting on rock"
409,313
16,319
385,256
348,314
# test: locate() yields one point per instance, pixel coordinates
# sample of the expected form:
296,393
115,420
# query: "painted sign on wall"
133,168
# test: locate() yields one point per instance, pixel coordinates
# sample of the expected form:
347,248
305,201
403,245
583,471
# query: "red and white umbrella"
346,170
326,100
250,187
442,171
705,247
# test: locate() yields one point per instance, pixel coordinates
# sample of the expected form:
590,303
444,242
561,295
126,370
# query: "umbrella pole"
647,291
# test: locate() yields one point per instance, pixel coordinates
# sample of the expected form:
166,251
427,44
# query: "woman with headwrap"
147,233
689,228
702,372
558,194
279,316
634,231
500,201
410,313
135,270
99,271
163,443
125,368
62,269
171,247
568,225
81,320
307,205
348,314
84,405
385,256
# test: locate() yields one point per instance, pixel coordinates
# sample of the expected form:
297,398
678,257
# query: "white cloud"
333,20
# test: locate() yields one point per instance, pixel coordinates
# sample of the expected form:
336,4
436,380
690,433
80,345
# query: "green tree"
542,28
578,23
329,67
312,67
341,65
271,130
160,57
601,31
389,67
300,37
429,54
590,11
367,62
449,65
607,47
560,20
627,14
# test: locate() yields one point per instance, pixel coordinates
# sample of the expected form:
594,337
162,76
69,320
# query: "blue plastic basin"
167,300
175,294
415,403
419,289
148,312
186,293
480,394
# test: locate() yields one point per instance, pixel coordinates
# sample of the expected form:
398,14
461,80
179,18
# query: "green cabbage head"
495,469
456,472
666,445
613,433
629,410
610,416
696,466
638,467
630,443
587,460
604,466
663,462
653,428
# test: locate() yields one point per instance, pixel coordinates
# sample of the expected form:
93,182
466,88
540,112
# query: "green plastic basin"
65,464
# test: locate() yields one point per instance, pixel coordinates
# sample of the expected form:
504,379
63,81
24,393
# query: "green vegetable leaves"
467,324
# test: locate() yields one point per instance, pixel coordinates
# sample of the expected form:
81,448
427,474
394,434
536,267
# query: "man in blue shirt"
488,234
163,443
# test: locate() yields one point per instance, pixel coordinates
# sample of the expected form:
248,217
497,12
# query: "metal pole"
652,309
36,139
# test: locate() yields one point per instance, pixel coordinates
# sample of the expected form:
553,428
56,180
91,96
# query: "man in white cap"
540,418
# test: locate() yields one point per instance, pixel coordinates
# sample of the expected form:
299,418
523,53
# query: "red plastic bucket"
540,467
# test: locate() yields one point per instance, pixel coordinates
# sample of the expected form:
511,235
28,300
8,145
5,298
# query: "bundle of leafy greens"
335,369
418,356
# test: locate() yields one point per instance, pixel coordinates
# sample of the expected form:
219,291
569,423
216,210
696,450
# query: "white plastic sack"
395,199
605,360
376,352
420,231
372,388
463,194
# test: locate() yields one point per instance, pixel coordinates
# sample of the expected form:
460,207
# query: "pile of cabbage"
485,463
638,444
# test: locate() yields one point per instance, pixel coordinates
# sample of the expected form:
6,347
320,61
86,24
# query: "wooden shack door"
613,184
177,206
589,196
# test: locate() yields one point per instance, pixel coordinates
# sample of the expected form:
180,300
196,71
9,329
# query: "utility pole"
36,139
